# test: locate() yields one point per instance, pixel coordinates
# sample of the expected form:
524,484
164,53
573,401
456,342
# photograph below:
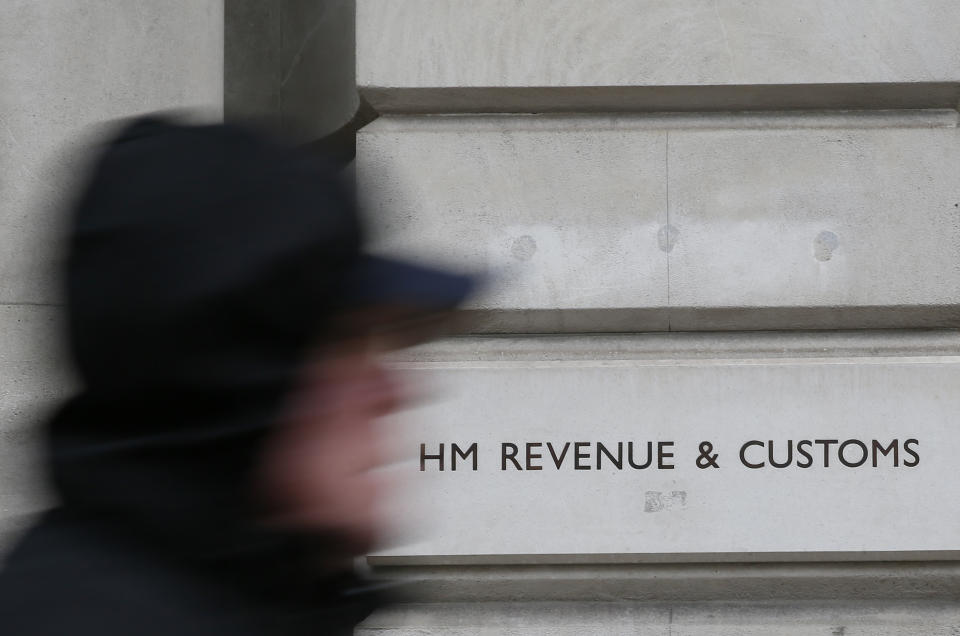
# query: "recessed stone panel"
845,455
678,222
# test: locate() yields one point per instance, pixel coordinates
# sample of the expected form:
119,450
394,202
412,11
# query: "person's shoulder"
62,578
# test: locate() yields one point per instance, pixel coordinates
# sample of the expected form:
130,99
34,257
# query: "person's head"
223,319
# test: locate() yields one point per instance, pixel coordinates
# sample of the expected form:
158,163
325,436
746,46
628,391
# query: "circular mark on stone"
667,237
523,247
824,245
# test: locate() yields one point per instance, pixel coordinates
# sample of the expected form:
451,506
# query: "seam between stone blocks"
666,163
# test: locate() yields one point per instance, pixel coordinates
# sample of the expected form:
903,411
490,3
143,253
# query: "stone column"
290,65
66,67
708,221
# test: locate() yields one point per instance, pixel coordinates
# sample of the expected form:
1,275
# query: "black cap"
375,280
192,243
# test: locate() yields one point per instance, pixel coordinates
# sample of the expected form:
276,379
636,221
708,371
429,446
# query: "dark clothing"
78,577
204,264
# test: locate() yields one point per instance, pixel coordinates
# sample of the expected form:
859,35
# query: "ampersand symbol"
706,460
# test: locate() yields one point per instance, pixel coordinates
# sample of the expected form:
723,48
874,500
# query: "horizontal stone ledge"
646,319
669,583
645,99
670,347
673,121
454,562
739,617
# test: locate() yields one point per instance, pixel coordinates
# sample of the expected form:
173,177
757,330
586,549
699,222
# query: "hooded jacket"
204,263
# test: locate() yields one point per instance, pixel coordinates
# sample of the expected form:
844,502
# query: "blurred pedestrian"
216,472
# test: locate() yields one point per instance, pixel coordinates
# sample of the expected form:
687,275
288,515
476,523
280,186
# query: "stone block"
410,53
717,437
682,222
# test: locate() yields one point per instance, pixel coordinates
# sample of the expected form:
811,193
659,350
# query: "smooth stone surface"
66,66
730,512
683,222
557,43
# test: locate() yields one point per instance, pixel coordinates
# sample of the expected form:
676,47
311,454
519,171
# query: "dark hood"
203,265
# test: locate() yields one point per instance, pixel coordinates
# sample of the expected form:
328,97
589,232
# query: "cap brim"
375,280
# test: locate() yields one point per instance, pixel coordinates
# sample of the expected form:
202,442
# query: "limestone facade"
705,220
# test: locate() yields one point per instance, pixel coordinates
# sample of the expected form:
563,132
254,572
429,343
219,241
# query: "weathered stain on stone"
656,501
524,247
667,237
824,245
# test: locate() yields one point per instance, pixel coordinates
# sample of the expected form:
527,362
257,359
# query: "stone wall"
66,68
684,193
